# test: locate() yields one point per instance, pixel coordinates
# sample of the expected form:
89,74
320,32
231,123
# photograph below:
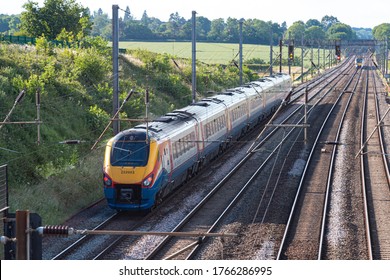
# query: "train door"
166,159
199,138
166,164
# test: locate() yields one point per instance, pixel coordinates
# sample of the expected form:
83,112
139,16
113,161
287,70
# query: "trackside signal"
338,52
291,52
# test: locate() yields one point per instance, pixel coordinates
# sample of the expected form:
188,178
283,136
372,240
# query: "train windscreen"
130,150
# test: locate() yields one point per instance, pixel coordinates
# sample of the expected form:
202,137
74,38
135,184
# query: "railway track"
375,175
95,243
305,226
340,232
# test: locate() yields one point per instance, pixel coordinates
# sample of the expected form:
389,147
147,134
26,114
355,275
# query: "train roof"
201,110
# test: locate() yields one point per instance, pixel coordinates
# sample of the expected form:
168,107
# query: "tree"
297,31
127,17
363,33
256,31
145,19
328,21
99,12
156,25
203,27
100,22
315,34
382,32
340,31
174,25
231,32
134,30
54,17
313,22
217,29
277,30
14,24
4,23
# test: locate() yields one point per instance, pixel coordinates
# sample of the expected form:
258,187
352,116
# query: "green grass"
223,53
210,53
61,195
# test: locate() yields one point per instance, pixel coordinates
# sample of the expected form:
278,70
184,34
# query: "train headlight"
107,181
147,183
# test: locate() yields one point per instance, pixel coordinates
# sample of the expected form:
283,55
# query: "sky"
356,13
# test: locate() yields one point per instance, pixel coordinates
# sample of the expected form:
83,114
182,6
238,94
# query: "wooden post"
22,235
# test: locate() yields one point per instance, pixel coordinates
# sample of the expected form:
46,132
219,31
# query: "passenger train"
358,62
144,164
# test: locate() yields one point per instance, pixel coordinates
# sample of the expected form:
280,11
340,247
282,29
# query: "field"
222,53
210,53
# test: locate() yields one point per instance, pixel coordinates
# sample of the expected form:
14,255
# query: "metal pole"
240,50
281,51
270,53
193,56
331,55
305,129
289,61
17,100
147,114
147,103
302,56
318,60
387,58
324,54
115,66
311,59
384,56
38,103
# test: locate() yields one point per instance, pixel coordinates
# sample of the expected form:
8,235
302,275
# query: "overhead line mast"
115,67
193,56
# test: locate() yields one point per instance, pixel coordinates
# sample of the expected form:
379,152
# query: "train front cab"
358,63
131,172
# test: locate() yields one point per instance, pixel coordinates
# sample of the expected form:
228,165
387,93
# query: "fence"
3,189
3,200
23,40
17,39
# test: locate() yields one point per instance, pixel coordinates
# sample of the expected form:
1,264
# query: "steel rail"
365,159
79,241
332,168
363,172
298,193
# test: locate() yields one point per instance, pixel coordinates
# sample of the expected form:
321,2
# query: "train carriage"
359,62
145,163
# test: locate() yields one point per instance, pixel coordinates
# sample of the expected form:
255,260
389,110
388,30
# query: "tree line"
68,20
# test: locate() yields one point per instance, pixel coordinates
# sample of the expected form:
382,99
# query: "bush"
90,67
